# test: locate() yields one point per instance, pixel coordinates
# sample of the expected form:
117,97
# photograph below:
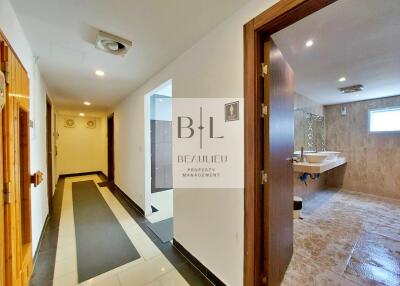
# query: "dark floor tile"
43,270
49,239
173,255
150,233
192,275
214,279
42,283
44,267
52,224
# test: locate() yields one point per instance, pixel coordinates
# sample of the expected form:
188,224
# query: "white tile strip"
153,268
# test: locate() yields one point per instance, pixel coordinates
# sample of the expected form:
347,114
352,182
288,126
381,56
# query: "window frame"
381,109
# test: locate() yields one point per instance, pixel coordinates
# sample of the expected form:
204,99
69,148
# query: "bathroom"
346,144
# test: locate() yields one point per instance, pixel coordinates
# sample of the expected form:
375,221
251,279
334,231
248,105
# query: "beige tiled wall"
305,106
373,159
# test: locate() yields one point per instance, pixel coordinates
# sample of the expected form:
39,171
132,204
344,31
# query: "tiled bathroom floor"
346,238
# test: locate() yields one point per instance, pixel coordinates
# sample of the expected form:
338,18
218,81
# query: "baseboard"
40,241
200,266
103,176
80,174
129,200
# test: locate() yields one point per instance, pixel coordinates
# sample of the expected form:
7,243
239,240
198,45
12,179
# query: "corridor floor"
346,239
157,263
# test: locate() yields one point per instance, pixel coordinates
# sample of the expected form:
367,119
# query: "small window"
384,120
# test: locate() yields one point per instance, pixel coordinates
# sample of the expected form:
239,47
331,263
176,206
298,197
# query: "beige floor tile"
375,261
146,272
172,278
70,279
341,242
304,272
64,267
110,281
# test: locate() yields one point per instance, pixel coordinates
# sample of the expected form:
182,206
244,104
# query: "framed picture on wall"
91,123
69,123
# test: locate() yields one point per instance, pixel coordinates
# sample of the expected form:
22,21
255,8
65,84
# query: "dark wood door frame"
256,31
110,147
49,145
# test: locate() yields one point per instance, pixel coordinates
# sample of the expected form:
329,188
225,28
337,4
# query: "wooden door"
2,229
16,172
278,147
110,148
49,155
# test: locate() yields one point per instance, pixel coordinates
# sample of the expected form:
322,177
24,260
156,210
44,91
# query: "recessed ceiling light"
100,73
309,43
87,103
342,79
81,114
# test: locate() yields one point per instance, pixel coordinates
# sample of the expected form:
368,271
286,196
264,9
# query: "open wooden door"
278,150
49,148
110,147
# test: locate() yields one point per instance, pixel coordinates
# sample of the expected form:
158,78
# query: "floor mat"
101,242
163,229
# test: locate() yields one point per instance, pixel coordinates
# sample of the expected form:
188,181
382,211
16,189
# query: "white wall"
81,149
209,223
13,32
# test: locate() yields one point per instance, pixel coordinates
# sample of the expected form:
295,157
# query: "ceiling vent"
352,88
112,44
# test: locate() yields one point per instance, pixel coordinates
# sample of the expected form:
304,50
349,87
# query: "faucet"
302,154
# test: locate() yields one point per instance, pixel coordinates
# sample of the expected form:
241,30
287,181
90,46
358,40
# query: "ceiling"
356,39
62,35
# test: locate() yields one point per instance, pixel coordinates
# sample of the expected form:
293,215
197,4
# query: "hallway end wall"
81,149
12,30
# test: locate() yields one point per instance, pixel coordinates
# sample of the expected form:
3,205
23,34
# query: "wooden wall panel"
2,236
18,249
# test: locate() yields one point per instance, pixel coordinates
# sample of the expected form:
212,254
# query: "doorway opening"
24,178
268,199
110,147
324,83
49,145
159,160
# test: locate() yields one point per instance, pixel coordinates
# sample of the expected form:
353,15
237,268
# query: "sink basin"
315,157
298,153
331,154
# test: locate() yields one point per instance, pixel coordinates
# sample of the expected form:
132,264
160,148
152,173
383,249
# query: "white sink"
315,157
331,154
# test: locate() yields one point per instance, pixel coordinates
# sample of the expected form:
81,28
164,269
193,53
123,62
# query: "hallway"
158,263
226,143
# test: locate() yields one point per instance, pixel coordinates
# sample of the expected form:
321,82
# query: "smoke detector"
112,44
352,88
